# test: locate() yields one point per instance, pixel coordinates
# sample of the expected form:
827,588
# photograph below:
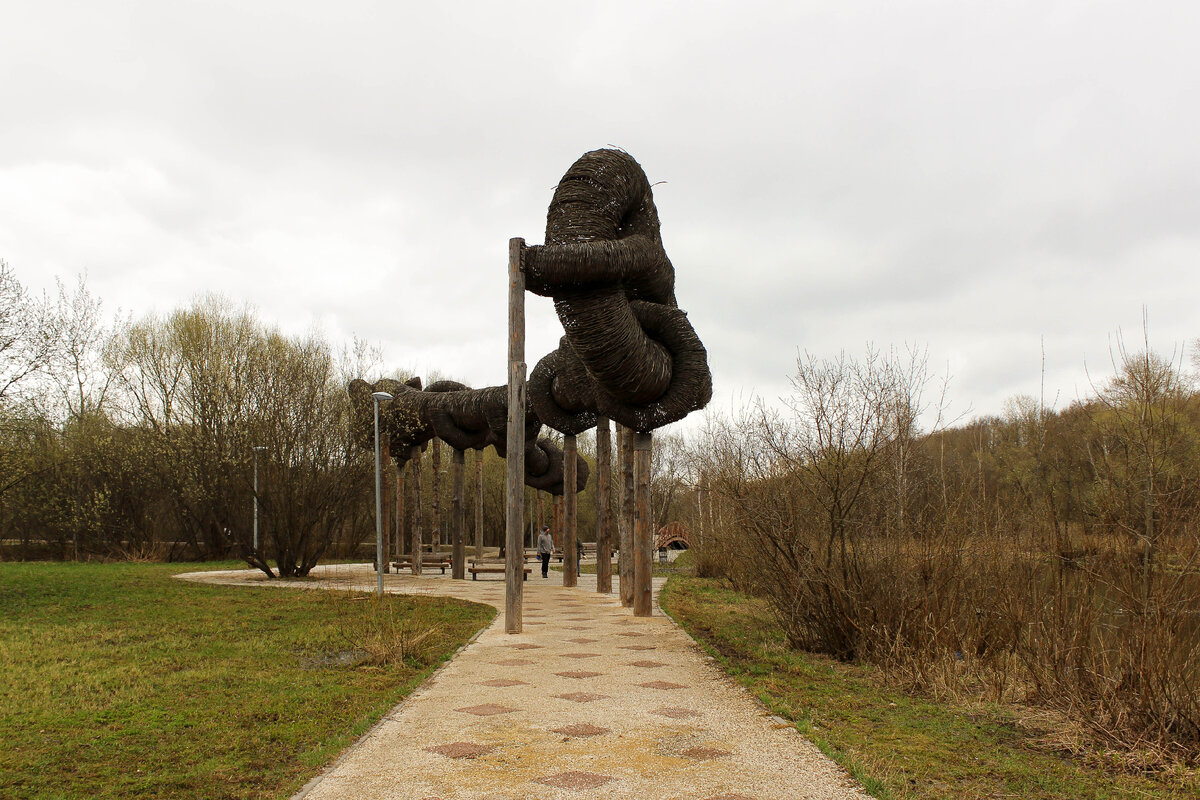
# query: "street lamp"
256,449
379,495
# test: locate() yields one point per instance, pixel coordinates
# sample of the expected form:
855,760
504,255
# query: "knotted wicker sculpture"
466,419
629,352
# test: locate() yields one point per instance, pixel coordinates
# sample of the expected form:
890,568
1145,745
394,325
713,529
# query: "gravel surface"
587,702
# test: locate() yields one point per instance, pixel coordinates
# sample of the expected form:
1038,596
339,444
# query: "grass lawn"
119,681
898,746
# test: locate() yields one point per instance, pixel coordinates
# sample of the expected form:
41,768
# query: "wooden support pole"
479,504
643,537
399,537
410,503
570,517
435,494
514,562
556,530
385,502
625,517
458,567
415,466
603,542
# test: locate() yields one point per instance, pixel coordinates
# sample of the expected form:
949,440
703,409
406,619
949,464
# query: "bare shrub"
1044,557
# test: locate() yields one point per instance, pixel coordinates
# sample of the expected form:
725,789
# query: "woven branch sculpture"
466,419
629,353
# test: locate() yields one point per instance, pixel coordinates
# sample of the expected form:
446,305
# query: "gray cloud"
973,176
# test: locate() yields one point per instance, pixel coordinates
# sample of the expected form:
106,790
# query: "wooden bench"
427,560
475,569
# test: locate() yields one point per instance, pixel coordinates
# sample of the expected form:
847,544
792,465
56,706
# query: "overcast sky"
971,177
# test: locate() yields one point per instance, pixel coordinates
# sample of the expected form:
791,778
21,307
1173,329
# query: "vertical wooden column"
514,561
570,516
435,494
458,569
556,527
625,517
398,537
603,542
643,536
415,463
385,493
410,503
478,504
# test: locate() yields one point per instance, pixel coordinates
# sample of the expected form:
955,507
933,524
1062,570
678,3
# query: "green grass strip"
898,746
119,681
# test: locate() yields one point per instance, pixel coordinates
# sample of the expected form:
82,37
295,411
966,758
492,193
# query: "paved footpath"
588,702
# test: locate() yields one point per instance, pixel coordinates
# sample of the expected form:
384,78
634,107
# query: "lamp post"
256,449
379,496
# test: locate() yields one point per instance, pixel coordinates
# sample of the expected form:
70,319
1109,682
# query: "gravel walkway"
588,702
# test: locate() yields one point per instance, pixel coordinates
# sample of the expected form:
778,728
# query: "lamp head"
381,396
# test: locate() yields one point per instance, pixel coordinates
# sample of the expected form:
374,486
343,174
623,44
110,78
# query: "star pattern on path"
637,647
514,662
730,796
524,646
629,633
664,685
581,730
486,710
461,749
582,697
582,640
580,655
500,683
582,628
704,753
647,664
675,712
577,781
579,673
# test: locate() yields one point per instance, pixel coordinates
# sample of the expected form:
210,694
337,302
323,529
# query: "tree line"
1046,556
136,439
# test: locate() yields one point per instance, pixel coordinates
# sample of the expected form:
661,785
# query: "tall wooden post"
478,504
625,517
514,562
643,544
385,526
415,465
435,495
570,517
410,503
603,543
458,568
399,534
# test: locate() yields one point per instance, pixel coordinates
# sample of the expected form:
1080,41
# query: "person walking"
544,548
